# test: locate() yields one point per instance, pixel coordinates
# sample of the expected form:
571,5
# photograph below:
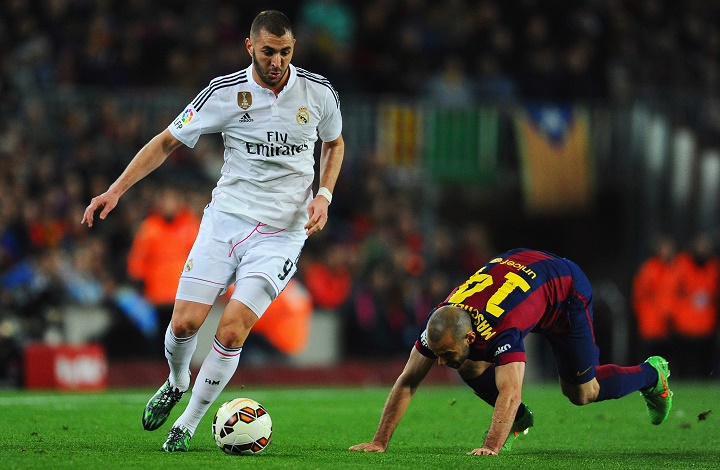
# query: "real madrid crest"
189,265
244,99
302,117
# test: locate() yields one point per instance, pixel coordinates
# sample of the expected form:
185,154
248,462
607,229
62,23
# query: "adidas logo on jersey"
245,118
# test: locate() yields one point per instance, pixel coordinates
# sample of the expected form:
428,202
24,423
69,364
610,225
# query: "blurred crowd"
380,265
533,49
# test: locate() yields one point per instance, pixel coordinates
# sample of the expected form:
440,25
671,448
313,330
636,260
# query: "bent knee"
184,327
187,318
232,337
581,394
235,324
580,399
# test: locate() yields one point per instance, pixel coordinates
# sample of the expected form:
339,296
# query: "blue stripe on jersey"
318,79
216,84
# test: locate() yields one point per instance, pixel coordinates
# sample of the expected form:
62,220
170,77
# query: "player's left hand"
318,212
482,451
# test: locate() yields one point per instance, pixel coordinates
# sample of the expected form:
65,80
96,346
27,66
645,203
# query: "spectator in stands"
450,87
32,291
160,248
13,237
376,319
85,275
655,298
328,278
328,24
695,317
285,325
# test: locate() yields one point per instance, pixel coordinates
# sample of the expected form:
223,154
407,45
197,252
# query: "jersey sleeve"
508,347
422,346
330,126
204,115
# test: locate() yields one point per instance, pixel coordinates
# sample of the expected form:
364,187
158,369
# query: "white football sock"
215,373
178,352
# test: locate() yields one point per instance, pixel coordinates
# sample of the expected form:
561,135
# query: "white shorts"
229,248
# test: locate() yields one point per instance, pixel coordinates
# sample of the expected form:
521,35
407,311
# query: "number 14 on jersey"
480,281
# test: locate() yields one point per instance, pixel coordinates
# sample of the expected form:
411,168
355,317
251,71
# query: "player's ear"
470,337
248,46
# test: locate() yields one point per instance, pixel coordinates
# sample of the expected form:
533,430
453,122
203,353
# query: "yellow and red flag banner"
554,148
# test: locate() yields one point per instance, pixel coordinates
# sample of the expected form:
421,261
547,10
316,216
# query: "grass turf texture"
312,428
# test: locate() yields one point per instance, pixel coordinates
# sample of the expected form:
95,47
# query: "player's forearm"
331,158
506,407
151,156
395,407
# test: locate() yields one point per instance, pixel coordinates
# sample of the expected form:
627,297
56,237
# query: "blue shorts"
576,353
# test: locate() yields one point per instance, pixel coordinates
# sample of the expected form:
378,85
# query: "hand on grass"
368,447
482,451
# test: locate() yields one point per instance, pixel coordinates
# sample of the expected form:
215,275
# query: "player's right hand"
108,203
368,447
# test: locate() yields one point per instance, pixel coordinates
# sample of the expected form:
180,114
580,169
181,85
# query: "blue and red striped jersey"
517,292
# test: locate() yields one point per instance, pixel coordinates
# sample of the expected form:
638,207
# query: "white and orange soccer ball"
242,426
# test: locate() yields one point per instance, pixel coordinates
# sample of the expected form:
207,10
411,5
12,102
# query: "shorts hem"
190,298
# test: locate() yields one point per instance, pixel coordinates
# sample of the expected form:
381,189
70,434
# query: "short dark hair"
272,21
448,319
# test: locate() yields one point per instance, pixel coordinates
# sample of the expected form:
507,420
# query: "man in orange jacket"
160,248
286,322
695,318
655,298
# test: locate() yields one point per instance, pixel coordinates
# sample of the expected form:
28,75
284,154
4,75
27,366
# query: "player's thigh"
210,262
274,258
575,351
250,299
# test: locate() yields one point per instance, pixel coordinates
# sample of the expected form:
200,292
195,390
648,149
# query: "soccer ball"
242,427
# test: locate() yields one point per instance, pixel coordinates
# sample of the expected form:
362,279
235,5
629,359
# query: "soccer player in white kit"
262,209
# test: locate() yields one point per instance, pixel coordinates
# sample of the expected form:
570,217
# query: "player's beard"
464,354
265,74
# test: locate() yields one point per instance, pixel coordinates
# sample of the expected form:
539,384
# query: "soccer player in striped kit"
262,209
479,331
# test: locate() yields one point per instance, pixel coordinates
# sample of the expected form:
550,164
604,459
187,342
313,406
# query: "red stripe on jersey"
503,359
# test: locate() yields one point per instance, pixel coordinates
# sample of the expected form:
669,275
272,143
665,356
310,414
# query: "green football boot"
178,440
658,398
160,405
520,426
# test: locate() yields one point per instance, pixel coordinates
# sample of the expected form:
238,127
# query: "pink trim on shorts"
260,224
201,279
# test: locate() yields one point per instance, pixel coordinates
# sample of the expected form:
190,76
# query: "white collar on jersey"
288,85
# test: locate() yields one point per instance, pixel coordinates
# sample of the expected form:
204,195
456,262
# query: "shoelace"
176,434
170,394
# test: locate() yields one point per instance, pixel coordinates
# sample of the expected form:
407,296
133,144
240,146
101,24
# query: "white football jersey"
269,141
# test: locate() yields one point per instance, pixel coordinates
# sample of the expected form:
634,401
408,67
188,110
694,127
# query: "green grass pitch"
313,427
